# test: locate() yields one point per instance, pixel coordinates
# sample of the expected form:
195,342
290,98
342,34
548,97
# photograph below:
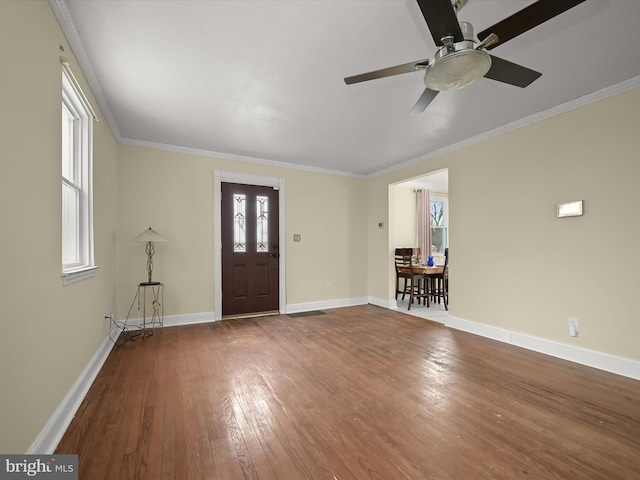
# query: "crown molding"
236,158
70,30
523,122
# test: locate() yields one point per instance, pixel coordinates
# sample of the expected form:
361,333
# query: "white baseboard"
176,320
326,304
52,433
189,319
495,333
379,302
591,358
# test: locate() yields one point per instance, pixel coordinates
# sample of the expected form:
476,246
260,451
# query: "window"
77,179
439,224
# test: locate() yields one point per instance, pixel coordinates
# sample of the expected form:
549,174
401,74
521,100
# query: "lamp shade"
149,235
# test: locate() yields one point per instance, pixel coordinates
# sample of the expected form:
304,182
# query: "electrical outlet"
328,287
574,327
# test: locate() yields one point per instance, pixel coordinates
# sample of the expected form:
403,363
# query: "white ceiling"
263,80
436,182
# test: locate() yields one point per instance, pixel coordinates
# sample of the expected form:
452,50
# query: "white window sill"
73,276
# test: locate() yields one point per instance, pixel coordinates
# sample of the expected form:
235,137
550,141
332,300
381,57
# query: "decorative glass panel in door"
239,220
262,224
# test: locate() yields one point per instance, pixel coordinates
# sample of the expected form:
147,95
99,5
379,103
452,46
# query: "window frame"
444,199
81,162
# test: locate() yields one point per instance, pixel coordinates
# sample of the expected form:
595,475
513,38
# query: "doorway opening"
404,223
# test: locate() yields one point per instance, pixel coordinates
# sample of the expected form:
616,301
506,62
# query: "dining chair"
415,282
439,283
401,270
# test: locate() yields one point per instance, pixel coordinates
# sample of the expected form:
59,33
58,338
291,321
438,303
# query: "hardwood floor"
357,393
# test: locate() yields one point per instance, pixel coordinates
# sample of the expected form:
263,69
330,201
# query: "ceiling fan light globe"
457,69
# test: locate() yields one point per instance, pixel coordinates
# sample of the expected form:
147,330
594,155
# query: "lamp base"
146,333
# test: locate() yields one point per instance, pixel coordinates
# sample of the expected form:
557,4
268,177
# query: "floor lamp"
149,237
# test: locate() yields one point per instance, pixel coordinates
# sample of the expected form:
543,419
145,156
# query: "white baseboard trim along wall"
379,302
326,304
591,358
134,324
52,433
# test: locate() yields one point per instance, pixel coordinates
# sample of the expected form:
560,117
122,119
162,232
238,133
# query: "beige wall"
514,265
406,229
173,193
49,331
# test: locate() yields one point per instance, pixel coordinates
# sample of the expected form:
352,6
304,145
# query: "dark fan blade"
526,19
424,101
441,19
511,73
387,72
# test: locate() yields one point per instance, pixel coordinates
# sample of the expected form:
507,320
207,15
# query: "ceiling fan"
459,61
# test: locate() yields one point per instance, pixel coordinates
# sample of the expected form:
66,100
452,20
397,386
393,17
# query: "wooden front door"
250,263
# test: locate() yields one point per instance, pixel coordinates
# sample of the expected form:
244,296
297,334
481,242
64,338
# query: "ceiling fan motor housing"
458,64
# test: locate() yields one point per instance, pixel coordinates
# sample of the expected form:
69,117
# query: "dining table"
433,279
423,269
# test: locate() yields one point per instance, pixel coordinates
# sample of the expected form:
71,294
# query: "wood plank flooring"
357,393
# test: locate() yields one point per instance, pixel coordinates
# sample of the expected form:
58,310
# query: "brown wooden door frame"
234,177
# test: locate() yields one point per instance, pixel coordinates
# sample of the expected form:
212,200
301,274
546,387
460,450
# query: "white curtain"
424,223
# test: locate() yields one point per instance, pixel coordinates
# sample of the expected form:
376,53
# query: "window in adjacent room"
77,179
439,225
